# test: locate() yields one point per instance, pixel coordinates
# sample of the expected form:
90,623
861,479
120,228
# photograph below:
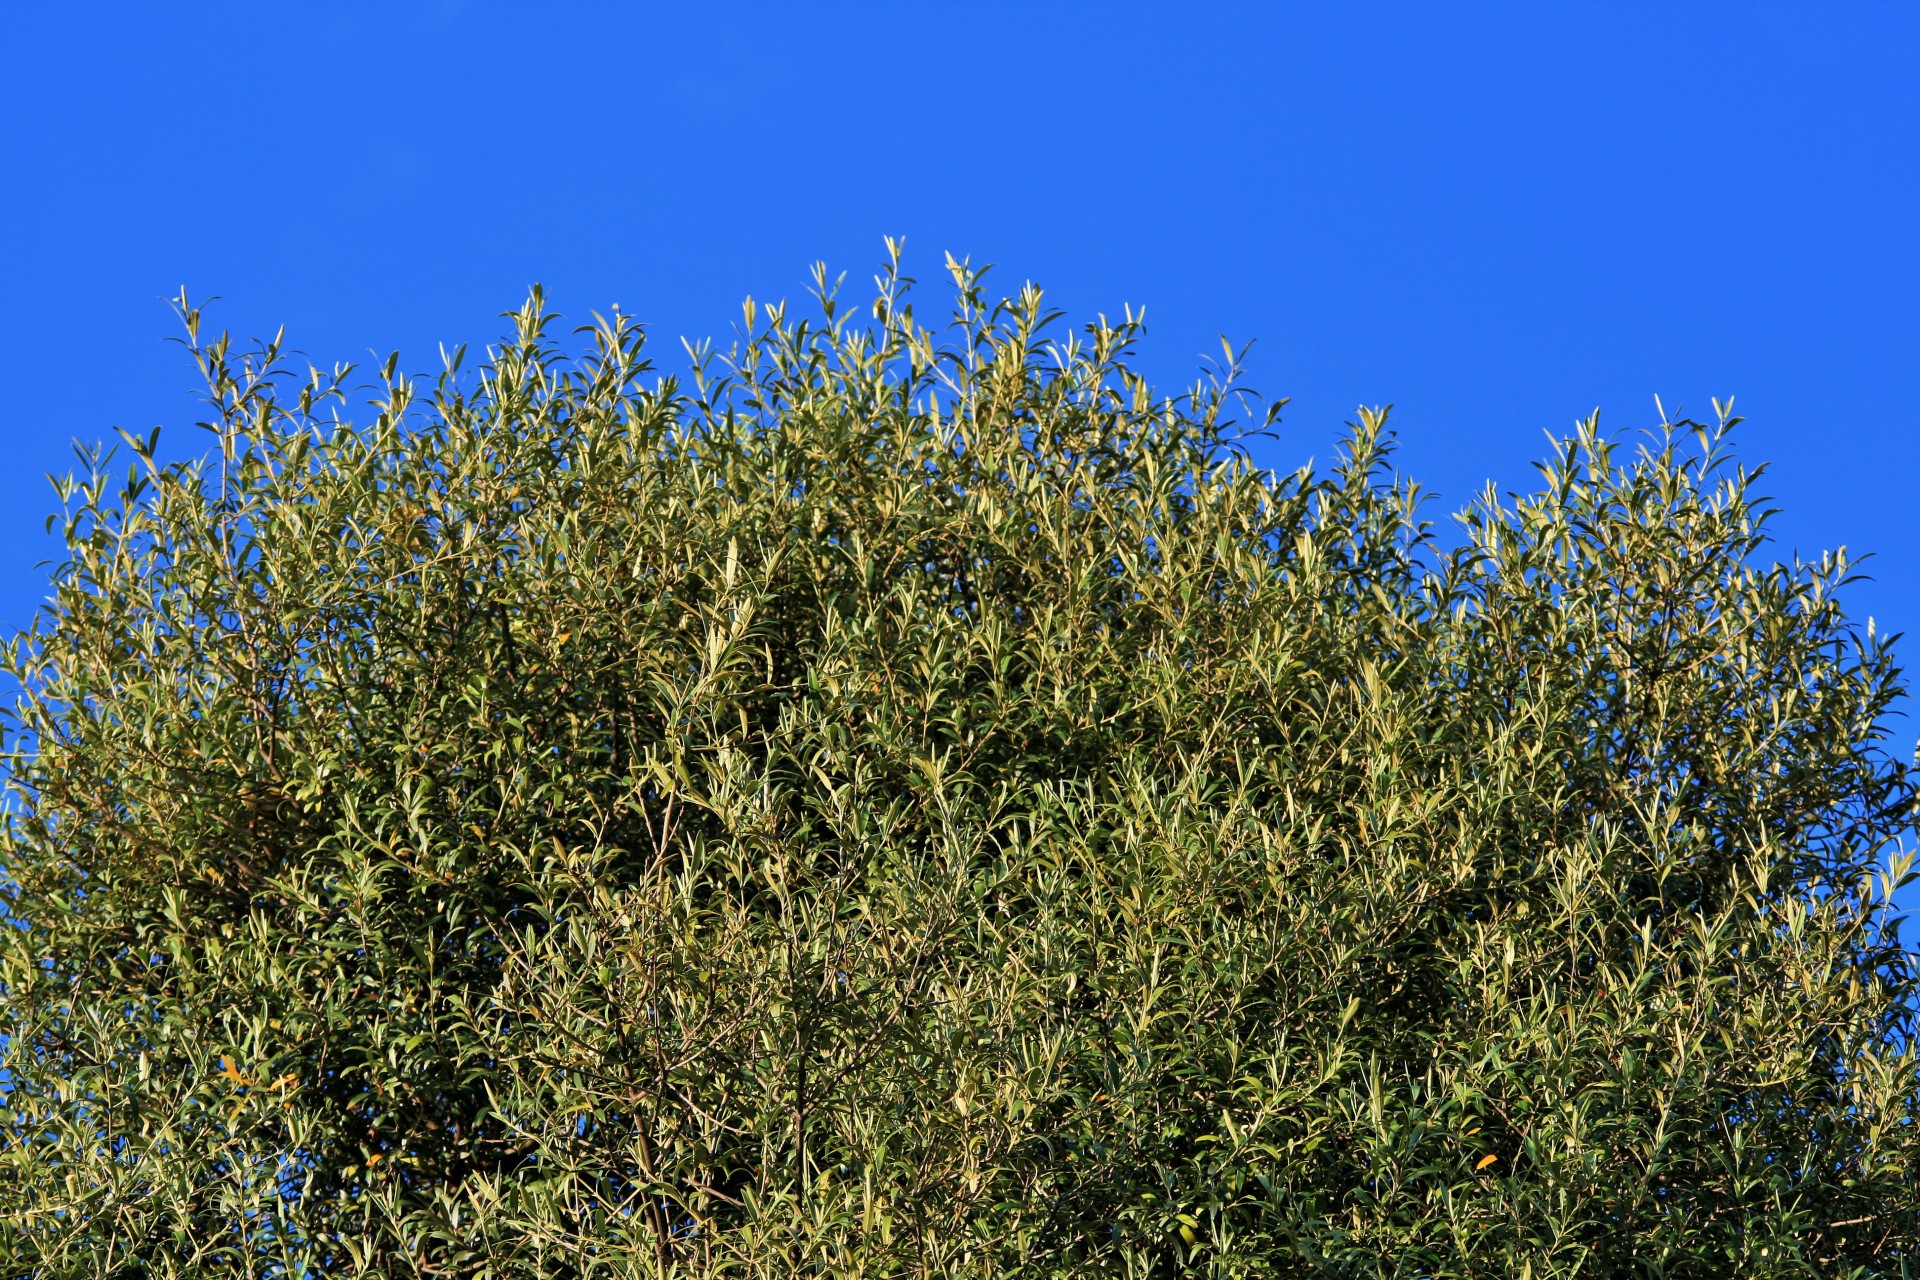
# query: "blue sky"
1497,217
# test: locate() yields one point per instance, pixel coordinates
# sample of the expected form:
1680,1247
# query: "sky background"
1496,217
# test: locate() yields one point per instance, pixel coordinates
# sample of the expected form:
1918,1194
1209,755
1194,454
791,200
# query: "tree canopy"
908,801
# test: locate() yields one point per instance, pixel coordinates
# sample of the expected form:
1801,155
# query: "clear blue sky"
1495,216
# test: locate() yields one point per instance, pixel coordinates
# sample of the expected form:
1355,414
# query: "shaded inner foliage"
908,802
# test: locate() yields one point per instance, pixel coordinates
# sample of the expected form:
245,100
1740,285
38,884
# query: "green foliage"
920,804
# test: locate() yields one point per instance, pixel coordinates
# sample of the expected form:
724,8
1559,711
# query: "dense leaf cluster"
911,803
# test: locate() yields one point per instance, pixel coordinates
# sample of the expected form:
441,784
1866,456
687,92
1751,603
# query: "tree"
906,803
